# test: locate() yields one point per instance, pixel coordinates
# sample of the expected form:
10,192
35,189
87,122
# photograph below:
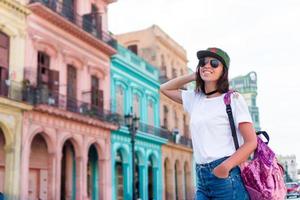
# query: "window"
133,48
95,91
120,100
97,20
4,63
4,50
150,113
185,127
43,68
253,101
175,119
166,113
136,108
174,73
68,8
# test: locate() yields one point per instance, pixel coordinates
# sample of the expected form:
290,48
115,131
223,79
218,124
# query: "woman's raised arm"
172,88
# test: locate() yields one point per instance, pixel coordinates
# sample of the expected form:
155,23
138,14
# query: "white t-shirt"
209,124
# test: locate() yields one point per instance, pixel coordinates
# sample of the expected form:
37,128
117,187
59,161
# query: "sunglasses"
214,63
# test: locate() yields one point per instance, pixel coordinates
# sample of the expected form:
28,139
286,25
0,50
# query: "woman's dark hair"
222,83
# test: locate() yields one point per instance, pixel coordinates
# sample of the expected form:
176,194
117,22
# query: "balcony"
86,27
163,133
43,96
11,90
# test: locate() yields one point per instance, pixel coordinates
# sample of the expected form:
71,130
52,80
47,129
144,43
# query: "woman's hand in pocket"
221,171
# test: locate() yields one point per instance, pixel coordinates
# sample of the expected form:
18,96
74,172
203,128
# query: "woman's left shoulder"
237,98
236,95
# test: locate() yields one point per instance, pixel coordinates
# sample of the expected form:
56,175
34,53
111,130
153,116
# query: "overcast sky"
259,35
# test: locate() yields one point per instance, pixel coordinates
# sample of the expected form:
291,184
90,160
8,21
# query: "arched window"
136,177
39,168
176,180
92,173
150,179
68,172
119,176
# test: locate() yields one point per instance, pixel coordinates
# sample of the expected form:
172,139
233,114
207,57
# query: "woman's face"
211,70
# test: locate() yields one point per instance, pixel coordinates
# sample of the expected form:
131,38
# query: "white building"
289,163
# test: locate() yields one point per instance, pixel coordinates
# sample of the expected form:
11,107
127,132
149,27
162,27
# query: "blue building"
135,88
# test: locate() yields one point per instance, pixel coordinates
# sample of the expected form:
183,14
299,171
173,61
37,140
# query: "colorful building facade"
160,50
12,44
289,163
247,86
65,140
135,86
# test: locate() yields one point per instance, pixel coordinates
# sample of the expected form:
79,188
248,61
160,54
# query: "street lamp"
132,122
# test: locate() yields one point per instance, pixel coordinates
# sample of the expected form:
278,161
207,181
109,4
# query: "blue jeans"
211,187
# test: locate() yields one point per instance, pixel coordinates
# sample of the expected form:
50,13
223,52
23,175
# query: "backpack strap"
265,134
227,101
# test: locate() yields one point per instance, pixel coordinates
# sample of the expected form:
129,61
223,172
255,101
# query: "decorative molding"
73,59
97,70
42,44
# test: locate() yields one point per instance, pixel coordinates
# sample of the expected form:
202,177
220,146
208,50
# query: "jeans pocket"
231,173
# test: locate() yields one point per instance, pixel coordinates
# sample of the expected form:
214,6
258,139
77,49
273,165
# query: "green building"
247,86
135,88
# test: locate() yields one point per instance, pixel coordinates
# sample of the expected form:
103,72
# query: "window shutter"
100,98
4,77
4,50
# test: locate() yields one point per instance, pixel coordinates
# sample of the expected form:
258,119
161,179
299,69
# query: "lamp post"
132,122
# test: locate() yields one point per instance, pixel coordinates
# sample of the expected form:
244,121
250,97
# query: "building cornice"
171,44
75,117
54,18
15,104
15,5
179,147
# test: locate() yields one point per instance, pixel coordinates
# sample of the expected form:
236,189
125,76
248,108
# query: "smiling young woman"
218,174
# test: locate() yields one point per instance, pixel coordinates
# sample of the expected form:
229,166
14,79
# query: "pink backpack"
262,175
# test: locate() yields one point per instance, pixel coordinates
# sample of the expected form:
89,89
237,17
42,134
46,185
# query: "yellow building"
12,49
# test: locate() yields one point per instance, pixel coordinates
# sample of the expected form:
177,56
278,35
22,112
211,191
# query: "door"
33,184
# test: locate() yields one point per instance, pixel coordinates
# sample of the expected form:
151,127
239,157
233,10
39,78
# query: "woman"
218,174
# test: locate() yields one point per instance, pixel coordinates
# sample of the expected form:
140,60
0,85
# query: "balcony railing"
163,133
85,22
11,90
42,95
160,132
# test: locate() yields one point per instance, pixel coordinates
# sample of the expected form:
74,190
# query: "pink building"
66,137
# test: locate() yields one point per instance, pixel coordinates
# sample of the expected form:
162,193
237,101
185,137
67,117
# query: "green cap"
215,53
